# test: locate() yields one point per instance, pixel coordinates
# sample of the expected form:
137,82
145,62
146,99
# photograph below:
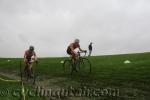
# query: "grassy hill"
108,72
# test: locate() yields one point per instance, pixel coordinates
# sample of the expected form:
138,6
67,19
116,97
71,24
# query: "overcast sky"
114,26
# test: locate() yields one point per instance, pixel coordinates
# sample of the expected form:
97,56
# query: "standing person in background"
90,48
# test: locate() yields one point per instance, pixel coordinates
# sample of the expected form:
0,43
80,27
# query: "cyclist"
72,47
29,60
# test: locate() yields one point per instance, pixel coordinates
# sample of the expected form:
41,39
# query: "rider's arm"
82,50
72,49
25,58
35,57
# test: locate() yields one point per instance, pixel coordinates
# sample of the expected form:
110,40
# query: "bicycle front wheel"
85,66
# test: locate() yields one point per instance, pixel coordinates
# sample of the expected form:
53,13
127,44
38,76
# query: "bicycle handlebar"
33,61
79,52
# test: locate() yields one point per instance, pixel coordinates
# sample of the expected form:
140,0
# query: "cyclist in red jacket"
29,60
72,47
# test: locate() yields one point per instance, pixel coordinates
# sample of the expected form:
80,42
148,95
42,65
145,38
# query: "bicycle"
27,72
82,64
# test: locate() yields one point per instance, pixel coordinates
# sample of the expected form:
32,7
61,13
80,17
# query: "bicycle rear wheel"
27,78
67,65
85,66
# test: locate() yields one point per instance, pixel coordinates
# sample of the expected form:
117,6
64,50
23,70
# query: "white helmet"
76,40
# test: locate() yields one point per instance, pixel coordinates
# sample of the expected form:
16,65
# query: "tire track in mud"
46,83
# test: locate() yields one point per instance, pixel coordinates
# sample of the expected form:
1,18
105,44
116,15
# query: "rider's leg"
26,68
31,70
74,60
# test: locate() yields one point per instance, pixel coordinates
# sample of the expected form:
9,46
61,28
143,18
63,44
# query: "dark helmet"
31,48
76,41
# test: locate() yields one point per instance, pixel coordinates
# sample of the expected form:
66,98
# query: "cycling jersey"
69,51
74,45
28,54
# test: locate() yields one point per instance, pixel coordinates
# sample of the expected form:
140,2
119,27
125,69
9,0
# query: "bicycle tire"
29,79
84,65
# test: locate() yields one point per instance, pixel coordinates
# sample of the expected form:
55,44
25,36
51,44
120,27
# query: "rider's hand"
75,53
25,60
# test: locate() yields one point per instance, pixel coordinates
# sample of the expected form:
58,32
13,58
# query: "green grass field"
108,72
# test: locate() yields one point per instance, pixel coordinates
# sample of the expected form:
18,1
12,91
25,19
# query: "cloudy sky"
114,26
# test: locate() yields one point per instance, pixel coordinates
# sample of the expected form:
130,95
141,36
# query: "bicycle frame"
79,54
76,65
31,70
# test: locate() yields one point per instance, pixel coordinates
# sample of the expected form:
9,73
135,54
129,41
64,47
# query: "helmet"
76,40
31,48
